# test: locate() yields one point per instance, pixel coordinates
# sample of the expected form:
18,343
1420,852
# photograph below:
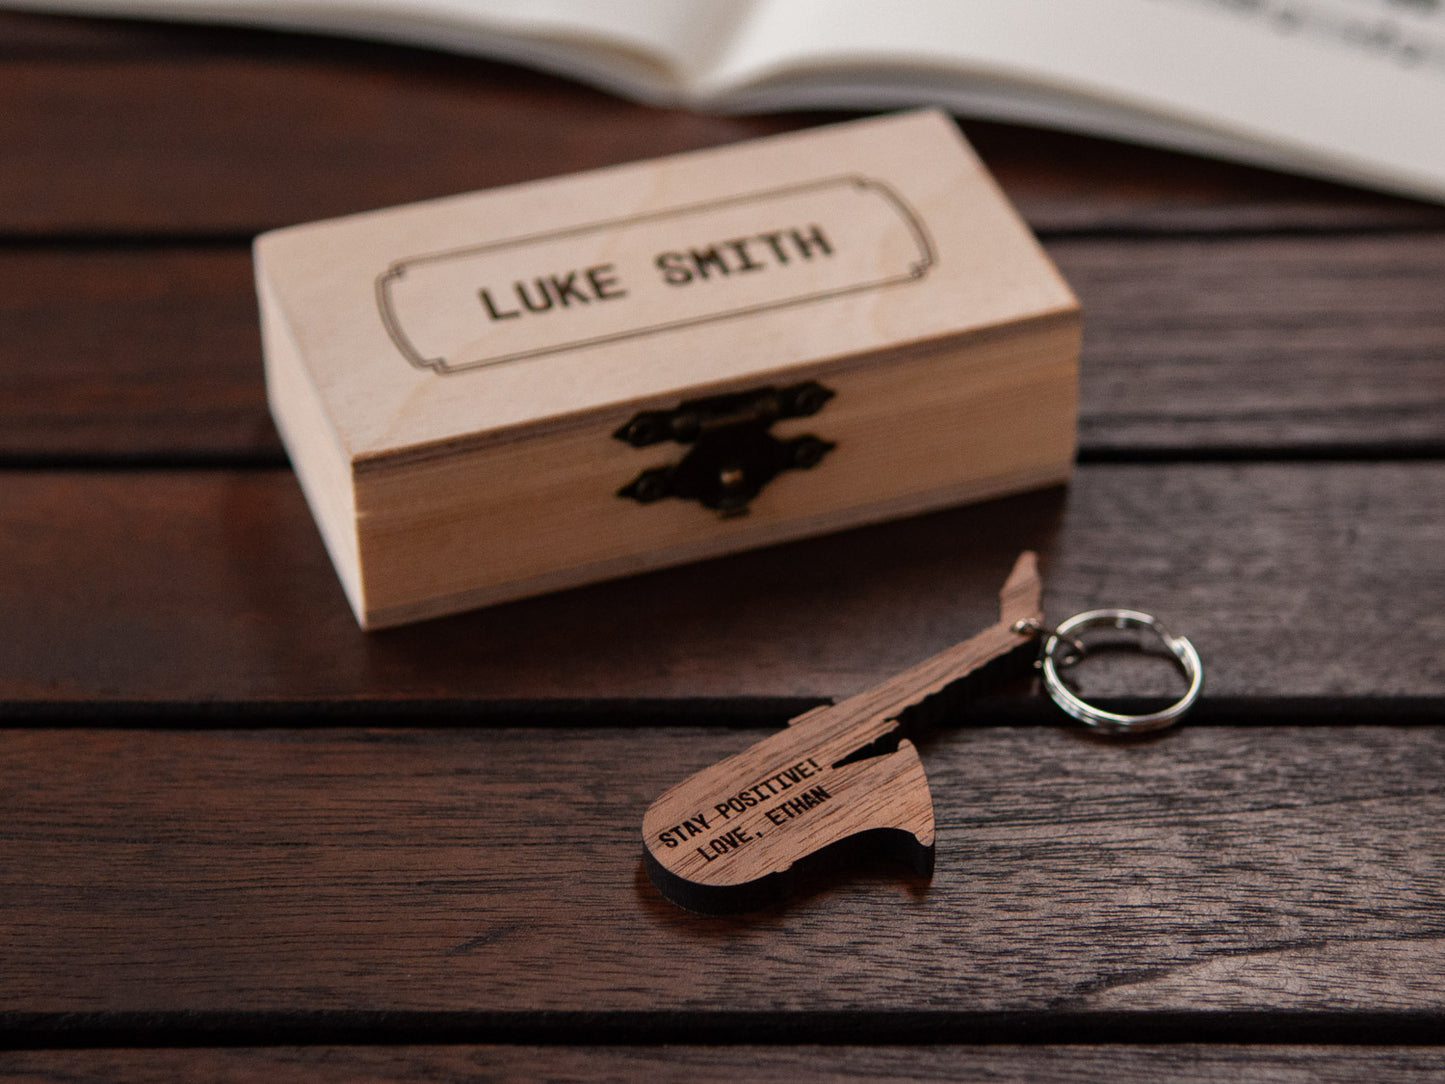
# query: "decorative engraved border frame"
927,258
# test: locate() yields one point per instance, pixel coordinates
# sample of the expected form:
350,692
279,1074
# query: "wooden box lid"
427,365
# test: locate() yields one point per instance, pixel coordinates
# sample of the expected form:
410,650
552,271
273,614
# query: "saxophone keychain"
726,838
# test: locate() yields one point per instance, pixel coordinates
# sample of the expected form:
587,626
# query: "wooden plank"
166,882
1261,344
125,352
1044,1064
238,144
1190,346
1065,183
118,127
1294,580
31,35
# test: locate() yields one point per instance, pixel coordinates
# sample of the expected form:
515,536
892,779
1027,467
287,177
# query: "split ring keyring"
1111,722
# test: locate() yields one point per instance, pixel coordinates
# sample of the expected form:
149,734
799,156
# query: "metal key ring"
1108,721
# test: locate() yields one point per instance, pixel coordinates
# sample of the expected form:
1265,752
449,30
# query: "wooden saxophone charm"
726,838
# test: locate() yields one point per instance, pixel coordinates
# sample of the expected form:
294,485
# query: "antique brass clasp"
733,454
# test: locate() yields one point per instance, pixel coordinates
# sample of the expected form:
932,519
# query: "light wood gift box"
504,393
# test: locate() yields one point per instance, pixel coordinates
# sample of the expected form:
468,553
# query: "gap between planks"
1024,705
1043,1064
359,1037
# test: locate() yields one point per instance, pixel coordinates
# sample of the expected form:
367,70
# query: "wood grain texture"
131,352
1190,347
198,130
1293,580
30,35
185,875
238,144
1261,344
1045,1064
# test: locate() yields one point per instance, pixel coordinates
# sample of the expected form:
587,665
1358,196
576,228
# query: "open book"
1352,90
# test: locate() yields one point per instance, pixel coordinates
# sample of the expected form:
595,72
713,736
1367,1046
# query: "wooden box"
504,393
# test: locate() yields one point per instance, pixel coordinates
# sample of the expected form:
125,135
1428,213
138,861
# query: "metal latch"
733,454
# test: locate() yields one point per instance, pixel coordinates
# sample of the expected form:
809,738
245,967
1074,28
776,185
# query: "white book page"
1344,88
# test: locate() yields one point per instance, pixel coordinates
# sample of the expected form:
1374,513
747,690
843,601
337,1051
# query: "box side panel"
321,465
976,417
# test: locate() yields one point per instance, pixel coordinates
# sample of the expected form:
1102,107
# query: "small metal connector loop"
1032,626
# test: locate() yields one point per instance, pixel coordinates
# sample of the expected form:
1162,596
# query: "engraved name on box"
527,297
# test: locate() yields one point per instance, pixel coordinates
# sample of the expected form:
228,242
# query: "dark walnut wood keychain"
725,839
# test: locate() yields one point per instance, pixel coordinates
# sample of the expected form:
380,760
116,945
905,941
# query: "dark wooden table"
239,838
